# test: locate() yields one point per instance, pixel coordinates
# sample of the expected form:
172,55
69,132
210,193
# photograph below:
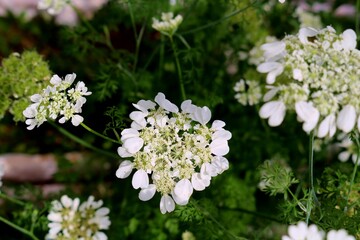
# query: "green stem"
20,229
11,199
257,214
354,171
98,134
117,135
161,57
207,214
82,142
178,67
219,20
297,200
312,194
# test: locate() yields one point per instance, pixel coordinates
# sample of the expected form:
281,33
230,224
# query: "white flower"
53,7
69,219
274,111
339,234
56,101
174,152
168,25
350,149
303,232
318,70
281,1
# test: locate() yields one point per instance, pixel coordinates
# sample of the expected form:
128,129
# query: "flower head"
302,231
174,151
53,7
168,25
318,79
57,100
70,220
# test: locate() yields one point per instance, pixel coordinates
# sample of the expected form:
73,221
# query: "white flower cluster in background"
308,19
349,149
70,220
248,92
57,100
168,25
53,7
302,231
316,74
175,148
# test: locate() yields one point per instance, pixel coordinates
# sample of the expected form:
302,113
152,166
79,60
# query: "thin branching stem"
354,171
213,219
98,134
82,142
11,199
178,67
20,229
312,195
211,24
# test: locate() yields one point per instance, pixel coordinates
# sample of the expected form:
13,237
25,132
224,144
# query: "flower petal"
124,169
133,145
167,204
165,104
219,147
140,179
346,118
147,193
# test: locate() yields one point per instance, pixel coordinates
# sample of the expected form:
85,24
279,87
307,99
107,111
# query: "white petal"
349,39
307,113
187,107
137,116
273,51
273,69
270,94
217,125
145,105
182,191
221,134
219,147
297,74
123,152
327,127
209,169
304,33
165,104
275,111
124,169
55,80
167,204
140,179
202,115
129,133
199,182
133,145
147,193
346,118
220,164
100,236
344,156
55,217
76,120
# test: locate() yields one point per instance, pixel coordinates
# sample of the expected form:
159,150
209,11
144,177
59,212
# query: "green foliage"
21,76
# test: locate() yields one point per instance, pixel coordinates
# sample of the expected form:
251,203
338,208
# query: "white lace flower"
70,220
349,149
57,100
248,92
174,151
339,234
318,72
302,231
168,25
53,7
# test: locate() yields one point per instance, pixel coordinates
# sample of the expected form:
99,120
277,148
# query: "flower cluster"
177,149
302,231
168,25
316,74
248,92
57,100
53,7
70,220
